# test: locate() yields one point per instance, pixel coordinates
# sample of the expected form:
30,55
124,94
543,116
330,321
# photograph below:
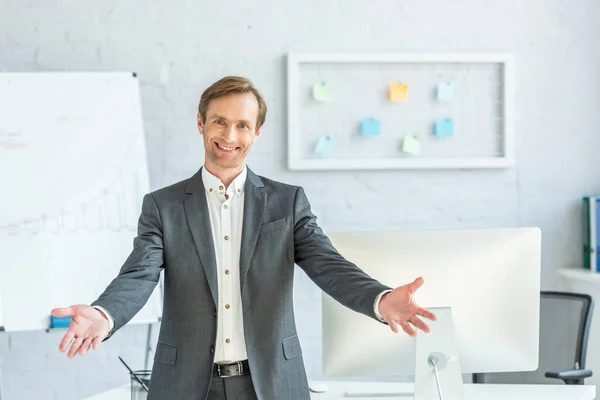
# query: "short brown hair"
232,84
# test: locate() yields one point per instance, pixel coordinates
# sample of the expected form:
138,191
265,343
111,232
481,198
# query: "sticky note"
445,91
411,145
444,127
321,91
398,92
325,146
370,127
60,322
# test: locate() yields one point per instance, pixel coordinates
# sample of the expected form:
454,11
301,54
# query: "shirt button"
212,350
239,190
227,341
226,237
210,190
227,306
225,206
220,187
226,272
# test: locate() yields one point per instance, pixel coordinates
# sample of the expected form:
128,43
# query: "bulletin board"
400,111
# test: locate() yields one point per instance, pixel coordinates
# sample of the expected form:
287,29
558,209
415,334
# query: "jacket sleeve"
131,288
336,276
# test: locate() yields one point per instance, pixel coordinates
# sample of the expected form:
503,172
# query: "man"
227,241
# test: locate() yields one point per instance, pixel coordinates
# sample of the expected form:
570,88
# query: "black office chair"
565,320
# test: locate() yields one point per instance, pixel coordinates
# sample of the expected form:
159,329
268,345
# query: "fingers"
426,314
66,340
80,345
409,326
87,343
62,312
394,326
420,324
408,329
75,347
96,343
416,284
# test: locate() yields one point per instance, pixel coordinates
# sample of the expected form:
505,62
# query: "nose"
230,134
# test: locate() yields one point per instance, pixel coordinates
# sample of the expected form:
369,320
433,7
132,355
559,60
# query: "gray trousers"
231,388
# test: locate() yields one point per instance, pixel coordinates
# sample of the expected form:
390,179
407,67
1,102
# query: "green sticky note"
411,145
321,91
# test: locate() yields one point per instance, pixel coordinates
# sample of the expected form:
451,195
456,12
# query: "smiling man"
227,240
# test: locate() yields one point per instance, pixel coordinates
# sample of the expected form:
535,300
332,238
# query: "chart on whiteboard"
113,208
73,173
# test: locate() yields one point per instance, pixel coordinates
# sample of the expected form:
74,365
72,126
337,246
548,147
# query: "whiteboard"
73,172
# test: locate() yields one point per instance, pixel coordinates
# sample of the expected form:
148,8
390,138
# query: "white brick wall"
179,47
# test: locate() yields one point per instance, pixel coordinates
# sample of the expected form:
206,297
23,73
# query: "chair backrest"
565,320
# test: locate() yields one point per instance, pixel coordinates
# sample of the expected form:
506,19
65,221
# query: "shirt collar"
212,184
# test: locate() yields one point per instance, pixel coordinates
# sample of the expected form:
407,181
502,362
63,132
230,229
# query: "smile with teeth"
226,148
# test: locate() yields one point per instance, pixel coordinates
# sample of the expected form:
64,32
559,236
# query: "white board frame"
151,312
294,143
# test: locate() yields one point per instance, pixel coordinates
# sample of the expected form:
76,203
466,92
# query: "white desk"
472,392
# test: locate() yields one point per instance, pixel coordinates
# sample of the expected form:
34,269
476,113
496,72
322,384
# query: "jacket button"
212,350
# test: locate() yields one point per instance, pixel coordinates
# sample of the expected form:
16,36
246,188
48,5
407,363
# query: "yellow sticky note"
399,92
321,91
411,145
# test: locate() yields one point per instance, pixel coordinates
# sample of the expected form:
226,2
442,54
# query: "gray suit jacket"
279,230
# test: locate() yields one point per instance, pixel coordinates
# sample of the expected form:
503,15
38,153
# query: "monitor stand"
438,375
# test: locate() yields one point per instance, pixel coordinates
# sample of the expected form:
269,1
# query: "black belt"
225,370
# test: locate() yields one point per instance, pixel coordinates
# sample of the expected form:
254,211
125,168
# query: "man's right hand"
88,328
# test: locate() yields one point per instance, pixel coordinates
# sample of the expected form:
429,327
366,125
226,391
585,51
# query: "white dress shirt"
226,208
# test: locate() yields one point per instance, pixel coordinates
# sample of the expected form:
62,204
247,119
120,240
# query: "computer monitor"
490,279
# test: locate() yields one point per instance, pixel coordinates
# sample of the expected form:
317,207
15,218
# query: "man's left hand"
399,309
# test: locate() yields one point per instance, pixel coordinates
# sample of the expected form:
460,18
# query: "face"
229,130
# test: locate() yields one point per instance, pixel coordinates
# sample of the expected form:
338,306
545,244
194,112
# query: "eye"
243,126
219,121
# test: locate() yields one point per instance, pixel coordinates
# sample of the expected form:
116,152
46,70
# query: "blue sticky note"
444,127
371,127
445,91
62,322
325,146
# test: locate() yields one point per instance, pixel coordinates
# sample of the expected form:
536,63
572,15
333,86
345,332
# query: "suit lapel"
196,211
255,201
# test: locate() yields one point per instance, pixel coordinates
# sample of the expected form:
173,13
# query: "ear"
258,133
200,124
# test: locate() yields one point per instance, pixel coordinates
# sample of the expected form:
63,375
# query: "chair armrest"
568,374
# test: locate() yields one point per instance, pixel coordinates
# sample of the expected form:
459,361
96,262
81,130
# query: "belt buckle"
219,372
240,370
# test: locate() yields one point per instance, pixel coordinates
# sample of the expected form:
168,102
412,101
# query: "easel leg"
148,348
